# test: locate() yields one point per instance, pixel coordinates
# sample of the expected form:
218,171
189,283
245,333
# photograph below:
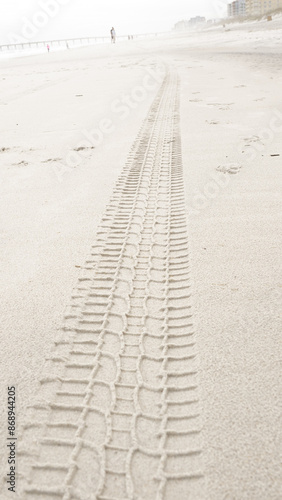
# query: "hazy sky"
70,18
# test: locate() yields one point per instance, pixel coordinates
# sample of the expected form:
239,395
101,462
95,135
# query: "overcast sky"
71,18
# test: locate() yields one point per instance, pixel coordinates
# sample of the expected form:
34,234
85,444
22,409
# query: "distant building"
260,7
197,20
186,25
181,26
237,8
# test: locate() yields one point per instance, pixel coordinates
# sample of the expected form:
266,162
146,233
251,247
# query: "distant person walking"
48,47
113,35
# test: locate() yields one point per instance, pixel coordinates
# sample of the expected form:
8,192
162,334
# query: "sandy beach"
154,169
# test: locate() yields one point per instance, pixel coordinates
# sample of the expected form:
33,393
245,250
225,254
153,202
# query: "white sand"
231,119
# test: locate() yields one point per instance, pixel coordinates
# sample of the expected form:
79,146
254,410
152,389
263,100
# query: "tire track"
117,415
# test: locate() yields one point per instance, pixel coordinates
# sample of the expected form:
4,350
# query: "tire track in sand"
117,414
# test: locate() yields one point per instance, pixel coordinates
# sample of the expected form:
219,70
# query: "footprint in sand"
214,104
229,168
20,163
221,106
82,148
51,159
250,140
